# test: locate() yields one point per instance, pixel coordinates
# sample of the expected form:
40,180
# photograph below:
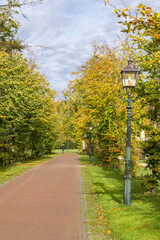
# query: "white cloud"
66,30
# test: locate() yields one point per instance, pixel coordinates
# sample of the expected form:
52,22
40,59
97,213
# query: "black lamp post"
129,76
85,143
67,143
90,149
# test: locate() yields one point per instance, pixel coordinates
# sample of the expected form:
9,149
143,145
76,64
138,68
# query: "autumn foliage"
95,96
144,31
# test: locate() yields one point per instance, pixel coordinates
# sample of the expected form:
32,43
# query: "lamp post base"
127,191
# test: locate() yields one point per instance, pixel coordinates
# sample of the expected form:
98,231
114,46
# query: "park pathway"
44,203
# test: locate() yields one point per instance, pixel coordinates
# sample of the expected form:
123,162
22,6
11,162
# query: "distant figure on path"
63,147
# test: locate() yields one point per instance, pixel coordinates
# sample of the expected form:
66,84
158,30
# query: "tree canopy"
27,110
9,25
95,96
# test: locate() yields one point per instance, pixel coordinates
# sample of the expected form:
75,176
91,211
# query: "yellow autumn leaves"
94,96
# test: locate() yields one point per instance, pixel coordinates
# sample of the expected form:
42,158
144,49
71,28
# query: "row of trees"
144,32
95,94
28,116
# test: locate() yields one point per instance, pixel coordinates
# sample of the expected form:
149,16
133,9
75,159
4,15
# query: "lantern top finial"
130,61
130,67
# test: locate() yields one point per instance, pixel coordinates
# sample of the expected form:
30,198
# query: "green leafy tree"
9,27
27,110
143,29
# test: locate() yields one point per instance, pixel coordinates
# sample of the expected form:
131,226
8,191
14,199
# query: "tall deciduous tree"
143,29
27,110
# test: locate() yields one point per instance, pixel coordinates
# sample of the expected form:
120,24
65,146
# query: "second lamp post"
67,143
90,147
85,143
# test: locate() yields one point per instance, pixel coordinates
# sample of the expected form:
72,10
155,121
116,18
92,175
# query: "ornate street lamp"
90,151
85,143
129,77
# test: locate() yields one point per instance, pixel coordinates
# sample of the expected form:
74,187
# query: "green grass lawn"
106,215
18,168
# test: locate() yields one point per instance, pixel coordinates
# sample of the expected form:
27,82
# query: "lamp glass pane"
129,80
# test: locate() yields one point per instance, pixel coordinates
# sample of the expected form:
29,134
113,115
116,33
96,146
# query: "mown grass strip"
18,168
106,215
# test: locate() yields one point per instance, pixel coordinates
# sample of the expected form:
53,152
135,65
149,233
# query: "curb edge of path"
84,235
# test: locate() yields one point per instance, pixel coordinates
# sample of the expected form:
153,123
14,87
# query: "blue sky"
60,34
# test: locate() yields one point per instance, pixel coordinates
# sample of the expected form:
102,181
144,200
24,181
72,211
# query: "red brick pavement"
44,203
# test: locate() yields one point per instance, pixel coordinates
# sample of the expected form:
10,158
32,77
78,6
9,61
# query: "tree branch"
21,4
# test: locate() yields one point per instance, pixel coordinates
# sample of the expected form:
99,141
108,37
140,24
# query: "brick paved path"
43,204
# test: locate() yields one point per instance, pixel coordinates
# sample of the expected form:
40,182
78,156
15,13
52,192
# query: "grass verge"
18,168
106,216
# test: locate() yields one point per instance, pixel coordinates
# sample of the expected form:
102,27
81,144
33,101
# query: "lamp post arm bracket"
126,100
